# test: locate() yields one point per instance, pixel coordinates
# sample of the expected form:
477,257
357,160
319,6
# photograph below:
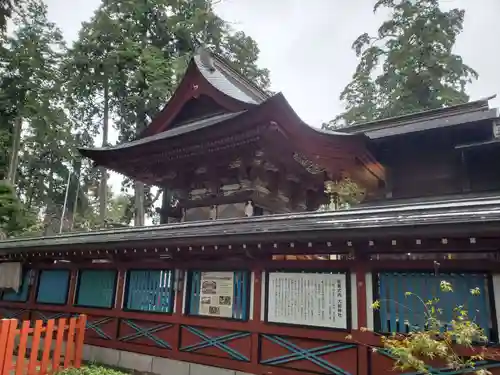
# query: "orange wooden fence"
20,362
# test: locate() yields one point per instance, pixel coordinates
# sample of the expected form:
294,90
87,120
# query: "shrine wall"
286,318
433,163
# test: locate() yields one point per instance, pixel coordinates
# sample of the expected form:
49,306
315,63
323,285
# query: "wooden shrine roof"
458,217
470,112
271,122
215,110
221,76
207,75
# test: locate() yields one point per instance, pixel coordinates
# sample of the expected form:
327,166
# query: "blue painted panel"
194,300
150,290
240,296
401,313
96,288
53,286
23,292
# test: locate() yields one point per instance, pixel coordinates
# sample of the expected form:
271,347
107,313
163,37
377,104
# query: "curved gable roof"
208,75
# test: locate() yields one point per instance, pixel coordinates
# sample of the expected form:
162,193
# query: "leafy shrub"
91,370
439,340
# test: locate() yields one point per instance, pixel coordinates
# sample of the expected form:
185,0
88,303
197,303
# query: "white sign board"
216,294
313,299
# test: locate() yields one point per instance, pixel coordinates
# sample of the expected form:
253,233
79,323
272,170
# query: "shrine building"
281,237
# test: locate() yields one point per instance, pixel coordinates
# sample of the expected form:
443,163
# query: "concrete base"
149,364
144,363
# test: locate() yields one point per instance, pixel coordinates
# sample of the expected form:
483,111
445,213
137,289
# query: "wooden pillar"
73,279
258,282
496,300
33,287
179,297
118,305
120,288
363,353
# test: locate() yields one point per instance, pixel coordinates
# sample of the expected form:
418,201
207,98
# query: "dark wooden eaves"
446,218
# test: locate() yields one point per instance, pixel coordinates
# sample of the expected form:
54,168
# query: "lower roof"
358,221
470,112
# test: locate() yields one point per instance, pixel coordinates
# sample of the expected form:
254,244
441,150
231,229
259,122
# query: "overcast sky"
306,44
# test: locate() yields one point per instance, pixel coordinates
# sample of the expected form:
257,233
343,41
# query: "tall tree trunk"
103,191
139,204
50,210
16,144
78,169
139,217
141,125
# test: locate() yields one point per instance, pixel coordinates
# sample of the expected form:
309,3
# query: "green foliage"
92,370
6,9
126,64
344,193
409,66
439,340
139,52
14,218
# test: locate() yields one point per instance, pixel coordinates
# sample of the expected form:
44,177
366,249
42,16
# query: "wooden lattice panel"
316,356
19,314
101,327
216,342
139,332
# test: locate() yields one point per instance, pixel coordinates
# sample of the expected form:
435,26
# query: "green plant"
92,370
439,341
14,218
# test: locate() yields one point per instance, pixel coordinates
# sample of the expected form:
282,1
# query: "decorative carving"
496,128
245,184
230,189
259,186
170,175
235,164
201,170
282,196
270,167
198,193
309,166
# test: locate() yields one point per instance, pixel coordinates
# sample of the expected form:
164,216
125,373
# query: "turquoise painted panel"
240,297
96,288
22,293
150,290
405,313
53,286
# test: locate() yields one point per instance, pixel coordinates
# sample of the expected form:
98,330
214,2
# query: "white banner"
216,294
313,299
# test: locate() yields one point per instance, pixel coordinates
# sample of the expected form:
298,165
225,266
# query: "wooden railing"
44,356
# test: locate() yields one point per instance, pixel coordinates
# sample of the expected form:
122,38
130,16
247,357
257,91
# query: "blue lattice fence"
401,313
53,287
96,288
150,290
241,288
